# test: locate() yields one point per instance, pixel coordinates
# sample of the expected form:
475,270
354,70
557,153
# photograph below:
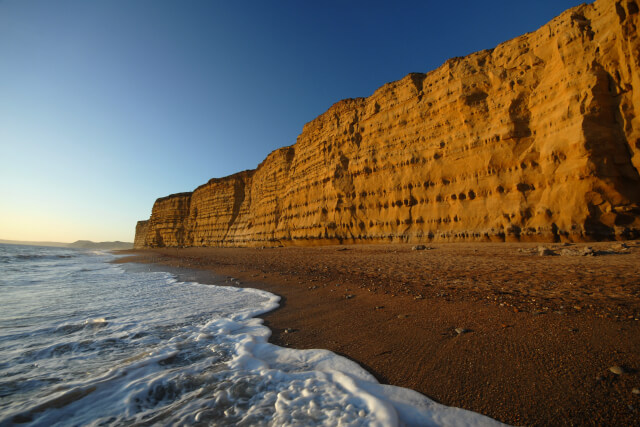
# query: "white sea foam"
124,347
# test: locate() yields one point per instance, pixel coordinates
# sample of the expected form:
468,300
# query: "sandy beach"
524,333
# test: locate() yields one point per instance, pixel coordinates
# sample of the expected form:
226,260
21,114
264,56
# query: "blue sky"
107,105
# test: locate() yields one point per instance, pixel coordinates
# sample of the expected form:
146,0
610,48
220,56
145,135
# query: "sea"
84,341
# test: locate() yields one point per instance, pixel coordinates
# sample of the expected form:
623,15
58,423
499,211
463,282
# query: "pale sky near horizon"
107,105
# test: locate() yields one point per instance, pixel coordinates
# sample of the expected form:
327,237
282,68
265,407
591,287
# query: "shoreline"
538,333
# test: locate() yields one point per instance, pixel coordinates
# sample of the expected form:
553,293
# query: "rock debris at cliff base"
536,139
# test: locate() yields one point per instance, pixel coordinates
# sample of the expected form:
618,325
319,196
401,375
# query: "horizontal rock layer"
537,139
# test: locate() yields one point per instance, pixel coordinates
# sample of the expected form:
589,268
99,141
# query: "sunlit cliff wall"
141,233
168,223
537,139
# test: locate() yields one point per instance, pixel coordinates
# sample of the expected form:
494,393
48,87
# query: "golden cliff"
537,139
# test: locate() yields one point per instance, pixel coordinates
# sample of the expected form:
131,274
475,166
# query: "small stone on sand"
618,370
419,248
461,331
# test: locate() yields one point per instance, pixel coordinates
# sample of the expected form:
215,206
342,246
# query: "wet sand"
538,333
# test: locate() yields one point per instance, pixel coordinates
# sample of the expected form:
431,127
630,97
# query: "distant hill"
88,244
80,244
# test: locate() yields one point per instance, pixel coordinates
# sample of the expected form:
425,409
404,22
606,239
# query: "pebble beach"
528,334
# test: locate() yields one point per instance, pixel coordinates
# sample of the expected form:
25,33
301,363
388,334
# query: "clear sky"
107,105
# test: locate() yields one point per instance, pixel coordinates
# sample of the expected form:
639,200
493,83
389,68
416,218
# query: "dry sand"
541,332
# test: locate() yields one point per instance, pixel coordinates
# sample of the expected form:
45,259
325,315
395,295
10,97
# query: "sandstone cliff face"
538,138
141,234
168,223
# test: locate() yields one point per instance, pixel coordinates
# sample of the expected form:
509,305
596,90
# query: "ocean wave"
22,258
224,372
70,328
33,257
109,347
69,349
25,384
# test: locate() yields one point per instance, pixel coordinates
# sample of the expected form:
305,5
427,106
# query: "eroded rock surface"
537,139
